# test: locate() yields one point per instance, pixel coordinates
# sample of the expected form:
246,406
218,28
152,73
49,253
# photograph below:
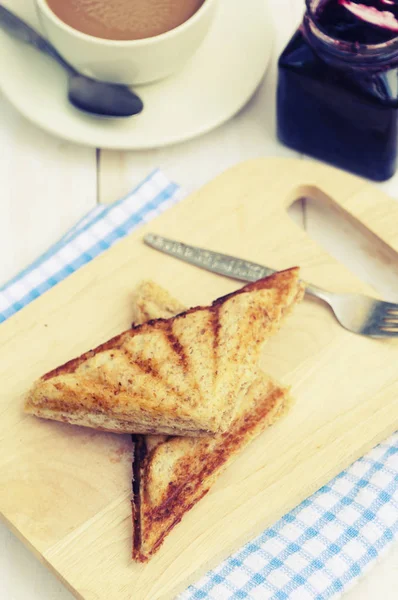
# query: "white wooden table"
47,185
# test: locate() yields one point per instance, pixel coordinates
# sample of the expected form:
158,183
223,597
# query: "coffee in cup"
124,19
126,41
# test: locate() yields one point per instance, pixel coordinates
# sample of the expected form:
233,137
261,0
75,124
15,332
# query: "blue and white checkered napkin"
320,548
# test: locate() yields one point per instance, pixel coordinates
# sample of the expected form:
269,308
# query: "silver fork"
357,313
360,314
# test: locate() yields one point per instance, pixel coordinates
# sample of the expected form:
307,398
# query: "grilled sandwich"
171,474
184,375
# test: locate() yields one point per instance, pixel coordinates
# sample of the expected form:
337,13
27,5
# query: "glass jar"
338,98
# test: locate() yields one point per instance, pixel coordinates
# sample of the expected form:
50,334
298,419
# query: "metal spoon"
86,94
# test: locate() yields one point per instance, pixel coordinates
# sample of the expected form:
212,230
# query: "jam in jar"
338,86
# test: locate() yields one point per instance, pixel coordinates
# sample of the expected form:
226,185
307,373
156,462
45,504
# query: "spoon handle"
23,32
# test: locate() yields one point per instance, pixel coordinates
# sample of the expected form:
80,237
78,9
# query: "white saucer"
216,83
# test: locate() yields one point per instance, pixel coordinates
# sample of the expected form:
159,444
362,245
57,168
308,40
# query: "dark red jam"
338,86
363,21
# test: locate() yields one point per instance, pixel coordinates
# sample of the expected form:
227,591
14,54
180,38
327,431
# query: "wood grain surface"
65,491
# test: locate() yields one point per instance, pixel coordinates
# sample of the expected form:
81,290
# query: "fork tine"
381,328
389,328
389,308
383,321
382,333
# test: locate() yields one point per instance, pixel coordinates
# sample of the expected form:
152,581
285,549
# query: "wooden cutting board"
65,490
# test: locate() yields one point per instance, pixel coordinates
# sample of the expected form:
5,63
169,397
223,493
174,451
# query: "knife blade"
222,264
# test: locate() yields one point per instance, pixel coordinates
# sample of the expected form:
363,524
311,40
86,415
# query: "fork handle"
317,292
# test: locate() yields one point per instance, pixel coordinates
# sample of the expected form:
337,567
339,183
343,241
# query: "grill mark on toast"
179,350
146,365
150,367
176,346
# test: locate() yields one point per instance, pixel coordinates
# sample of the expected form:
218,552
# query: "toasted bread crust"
140,452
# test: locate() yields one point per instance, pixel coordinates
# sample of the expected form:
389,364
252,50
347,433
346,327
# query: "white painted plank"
22,577
46,185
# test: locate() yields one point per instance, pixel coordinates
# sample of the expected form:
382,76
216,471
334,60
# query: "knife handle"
222,264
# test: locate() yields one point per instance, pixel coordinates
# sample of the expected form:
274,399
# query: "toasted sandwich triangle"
184,375
171,474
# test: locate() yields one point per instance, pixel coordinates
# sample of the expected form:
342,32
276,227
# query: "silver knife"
222,264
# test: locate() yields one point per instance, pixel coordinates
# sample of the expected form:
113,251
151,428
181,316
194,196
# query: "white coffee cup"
128,62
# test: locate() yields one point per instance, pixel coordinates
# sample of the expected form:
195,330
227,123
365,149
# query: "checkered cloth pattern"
319,549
